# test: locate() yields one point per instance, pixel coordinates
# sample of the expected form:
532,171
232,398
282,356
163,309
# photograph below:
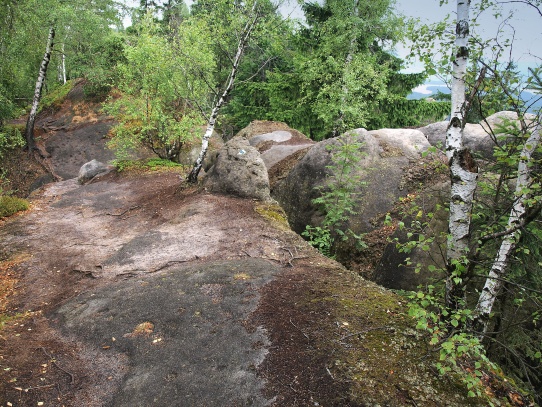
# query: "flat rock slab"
183,331
279,152
71,149
278,136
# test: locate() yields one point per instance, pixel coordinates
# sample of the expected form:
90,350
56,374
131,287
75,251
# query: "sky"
526,21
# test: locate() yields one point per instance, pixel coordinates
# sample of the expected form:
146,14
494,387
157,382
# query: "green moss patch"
378,351
149,165
54,99
10,205
273,213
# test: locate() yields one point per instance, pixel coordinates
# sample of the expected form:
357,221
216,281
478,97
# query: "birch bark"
29,132
245,35
463,169
63,65
495,279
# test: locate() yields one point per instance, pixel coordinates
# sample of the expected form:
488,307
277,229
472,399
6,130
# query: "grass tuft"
10,205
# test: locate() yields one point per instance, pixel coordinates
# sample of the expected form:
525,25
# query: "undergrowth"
10,205
54,99
152,164
338,198
11,137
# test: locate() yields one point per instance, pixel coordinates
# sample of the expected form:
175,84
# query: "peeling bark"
463,168
62,75
29,132
495,279
463,174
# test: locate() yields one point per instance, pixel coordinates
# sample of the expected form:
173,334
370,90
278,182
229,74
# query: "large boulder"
92,169
281,147
391,166
387,155
238,170
479,138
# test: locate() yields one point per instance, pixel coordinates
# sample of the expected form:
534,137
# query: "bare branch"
526,2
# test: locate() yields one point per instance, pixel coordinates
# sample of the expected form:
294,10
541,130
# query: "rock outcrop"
281,147
386,156
391,166
239,170
479,138
92,169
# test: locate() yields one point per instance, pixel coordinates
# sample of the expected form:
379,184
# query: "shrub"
10,205
11,137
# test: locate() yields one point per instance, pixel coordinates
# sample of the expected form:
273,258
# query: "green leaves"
338,197
161,82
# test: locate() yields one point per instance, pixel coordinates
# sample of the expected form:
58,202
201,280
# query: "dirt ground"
138,290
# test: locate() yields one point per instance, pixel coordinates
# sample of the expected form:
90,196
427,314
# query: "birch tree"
29,132
244,37
493,292
516,221
463,168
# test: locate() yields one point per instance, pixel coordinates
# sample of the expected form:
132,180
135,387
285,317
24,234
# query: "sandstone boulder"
92,169
281,147
386,157
479,138
239,170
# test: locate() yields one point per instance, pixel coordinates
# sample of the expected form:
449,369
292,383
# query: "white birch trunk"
29,132
495,279
63,67
245,35
463,169
454,136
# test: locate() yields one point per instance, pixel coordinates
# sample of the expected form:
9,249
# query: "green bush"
11,137
10,205
53,100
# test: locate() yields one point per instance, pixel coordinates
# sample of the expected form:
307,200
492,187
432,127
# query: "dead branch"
122,213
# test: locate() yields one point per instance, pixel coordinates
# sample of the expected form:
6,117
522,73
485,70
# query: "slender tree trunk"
245,35
63,65
495,279
29,133
463,169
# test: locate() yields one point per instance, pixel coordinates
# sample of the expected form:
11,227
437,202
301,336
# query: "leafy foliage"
332,75
10,138
158,86
458,351
514,338
401,112
338,197
10,205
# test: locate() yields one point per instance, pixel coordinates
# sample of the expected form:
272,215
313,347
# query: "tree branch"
527,2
